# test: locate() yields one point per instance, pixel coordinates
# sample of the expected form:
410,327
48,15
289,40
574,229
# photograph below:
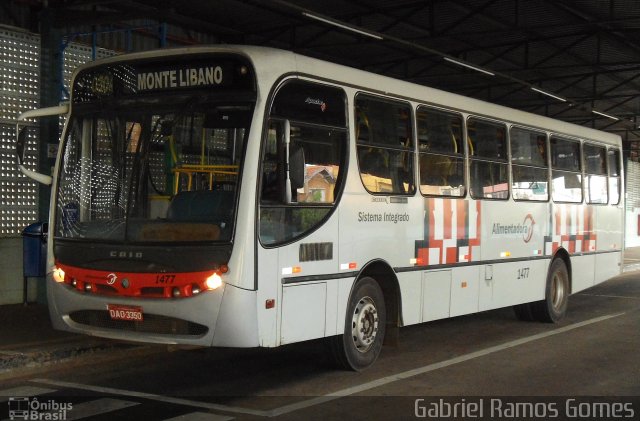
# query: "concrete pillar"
50,95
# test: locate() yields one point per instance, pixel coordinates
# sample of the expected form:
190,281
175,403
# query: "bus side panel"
582,273
610,242
465,288
303,312
436,295
607,266
411,293
605,228
511,283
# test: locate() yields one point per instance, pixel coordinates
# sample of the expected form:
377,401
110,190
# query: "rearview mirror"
21,139
296,166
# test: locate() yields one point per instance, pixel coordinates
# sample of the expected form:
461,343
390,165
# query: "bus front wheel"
364,329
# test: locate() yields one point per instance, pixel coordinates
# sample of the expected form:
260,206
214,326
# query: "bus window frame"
618,177
412,150
471,159
547,161
580,172
586,185
461,155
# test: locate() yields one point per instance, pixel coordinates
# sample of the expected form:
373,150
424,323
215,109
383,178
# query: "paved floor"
486,360
632,259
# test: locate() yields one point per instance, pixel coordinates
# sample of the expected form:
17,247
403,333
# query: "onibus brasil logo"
525,229
33,409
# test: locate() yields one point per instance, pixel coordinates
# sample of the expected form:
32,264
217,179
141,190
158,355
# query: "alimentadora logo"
524,229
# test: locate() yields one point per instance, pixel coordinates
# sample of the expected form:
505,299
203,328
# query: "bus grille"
152,323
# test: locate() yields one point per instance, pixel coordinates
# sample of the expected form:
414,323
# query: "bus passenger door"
301,169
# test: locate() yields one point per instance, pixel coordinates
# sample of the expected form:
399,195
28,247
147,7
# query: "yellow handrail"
190,169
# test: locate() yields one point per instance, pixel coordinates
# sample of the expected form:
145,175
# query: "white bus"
241,196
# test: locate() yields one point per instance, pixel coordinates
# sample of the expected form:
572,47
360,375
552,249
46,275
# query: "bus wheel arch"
372,313
386,277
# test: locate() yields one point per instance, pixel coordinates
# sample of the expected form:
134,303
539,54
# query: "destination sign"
181,78
160,75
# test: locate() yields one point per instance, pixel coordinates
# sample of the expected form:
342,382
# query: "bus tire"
554,306
365,322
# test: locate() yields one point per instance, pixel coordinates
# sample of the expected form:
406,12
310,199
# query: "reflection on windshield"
144,175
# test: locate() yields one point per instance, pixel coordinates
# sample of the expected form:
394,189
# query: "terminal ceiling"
583,56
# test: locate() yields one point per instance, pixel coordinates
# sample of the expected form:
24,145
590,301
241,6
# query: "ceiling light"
540,91
605,115
469,66
342,25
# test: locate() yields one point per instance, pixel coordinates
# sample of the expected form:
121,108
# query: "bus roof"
278,62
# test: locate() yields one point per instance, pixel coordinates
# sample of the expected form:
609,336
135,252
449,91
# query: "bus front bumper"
222,317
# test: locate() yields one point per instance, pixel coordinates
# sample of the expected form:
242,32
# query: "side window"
530,175
566,170
385,145
595,168
304,157
613,160
488,151
441,153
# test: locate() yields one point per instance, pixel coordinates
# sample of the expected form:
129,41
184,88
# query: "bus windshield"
160,170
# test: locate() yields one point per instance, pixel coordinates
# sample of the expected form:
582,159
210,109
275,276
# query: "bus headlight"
58,274
213,282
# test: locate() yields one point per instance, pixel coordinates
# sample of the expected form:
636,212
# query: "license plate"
117,312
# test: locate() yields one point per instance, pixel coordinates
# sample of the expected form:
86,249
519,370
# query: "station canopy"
576,61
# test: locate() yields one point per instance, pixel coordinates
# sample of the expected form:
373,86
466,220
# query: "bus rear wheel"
364,329
554,306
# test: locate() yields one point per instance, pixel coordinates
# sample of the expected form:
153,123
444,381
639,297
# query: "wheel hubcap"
558,291
364,324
